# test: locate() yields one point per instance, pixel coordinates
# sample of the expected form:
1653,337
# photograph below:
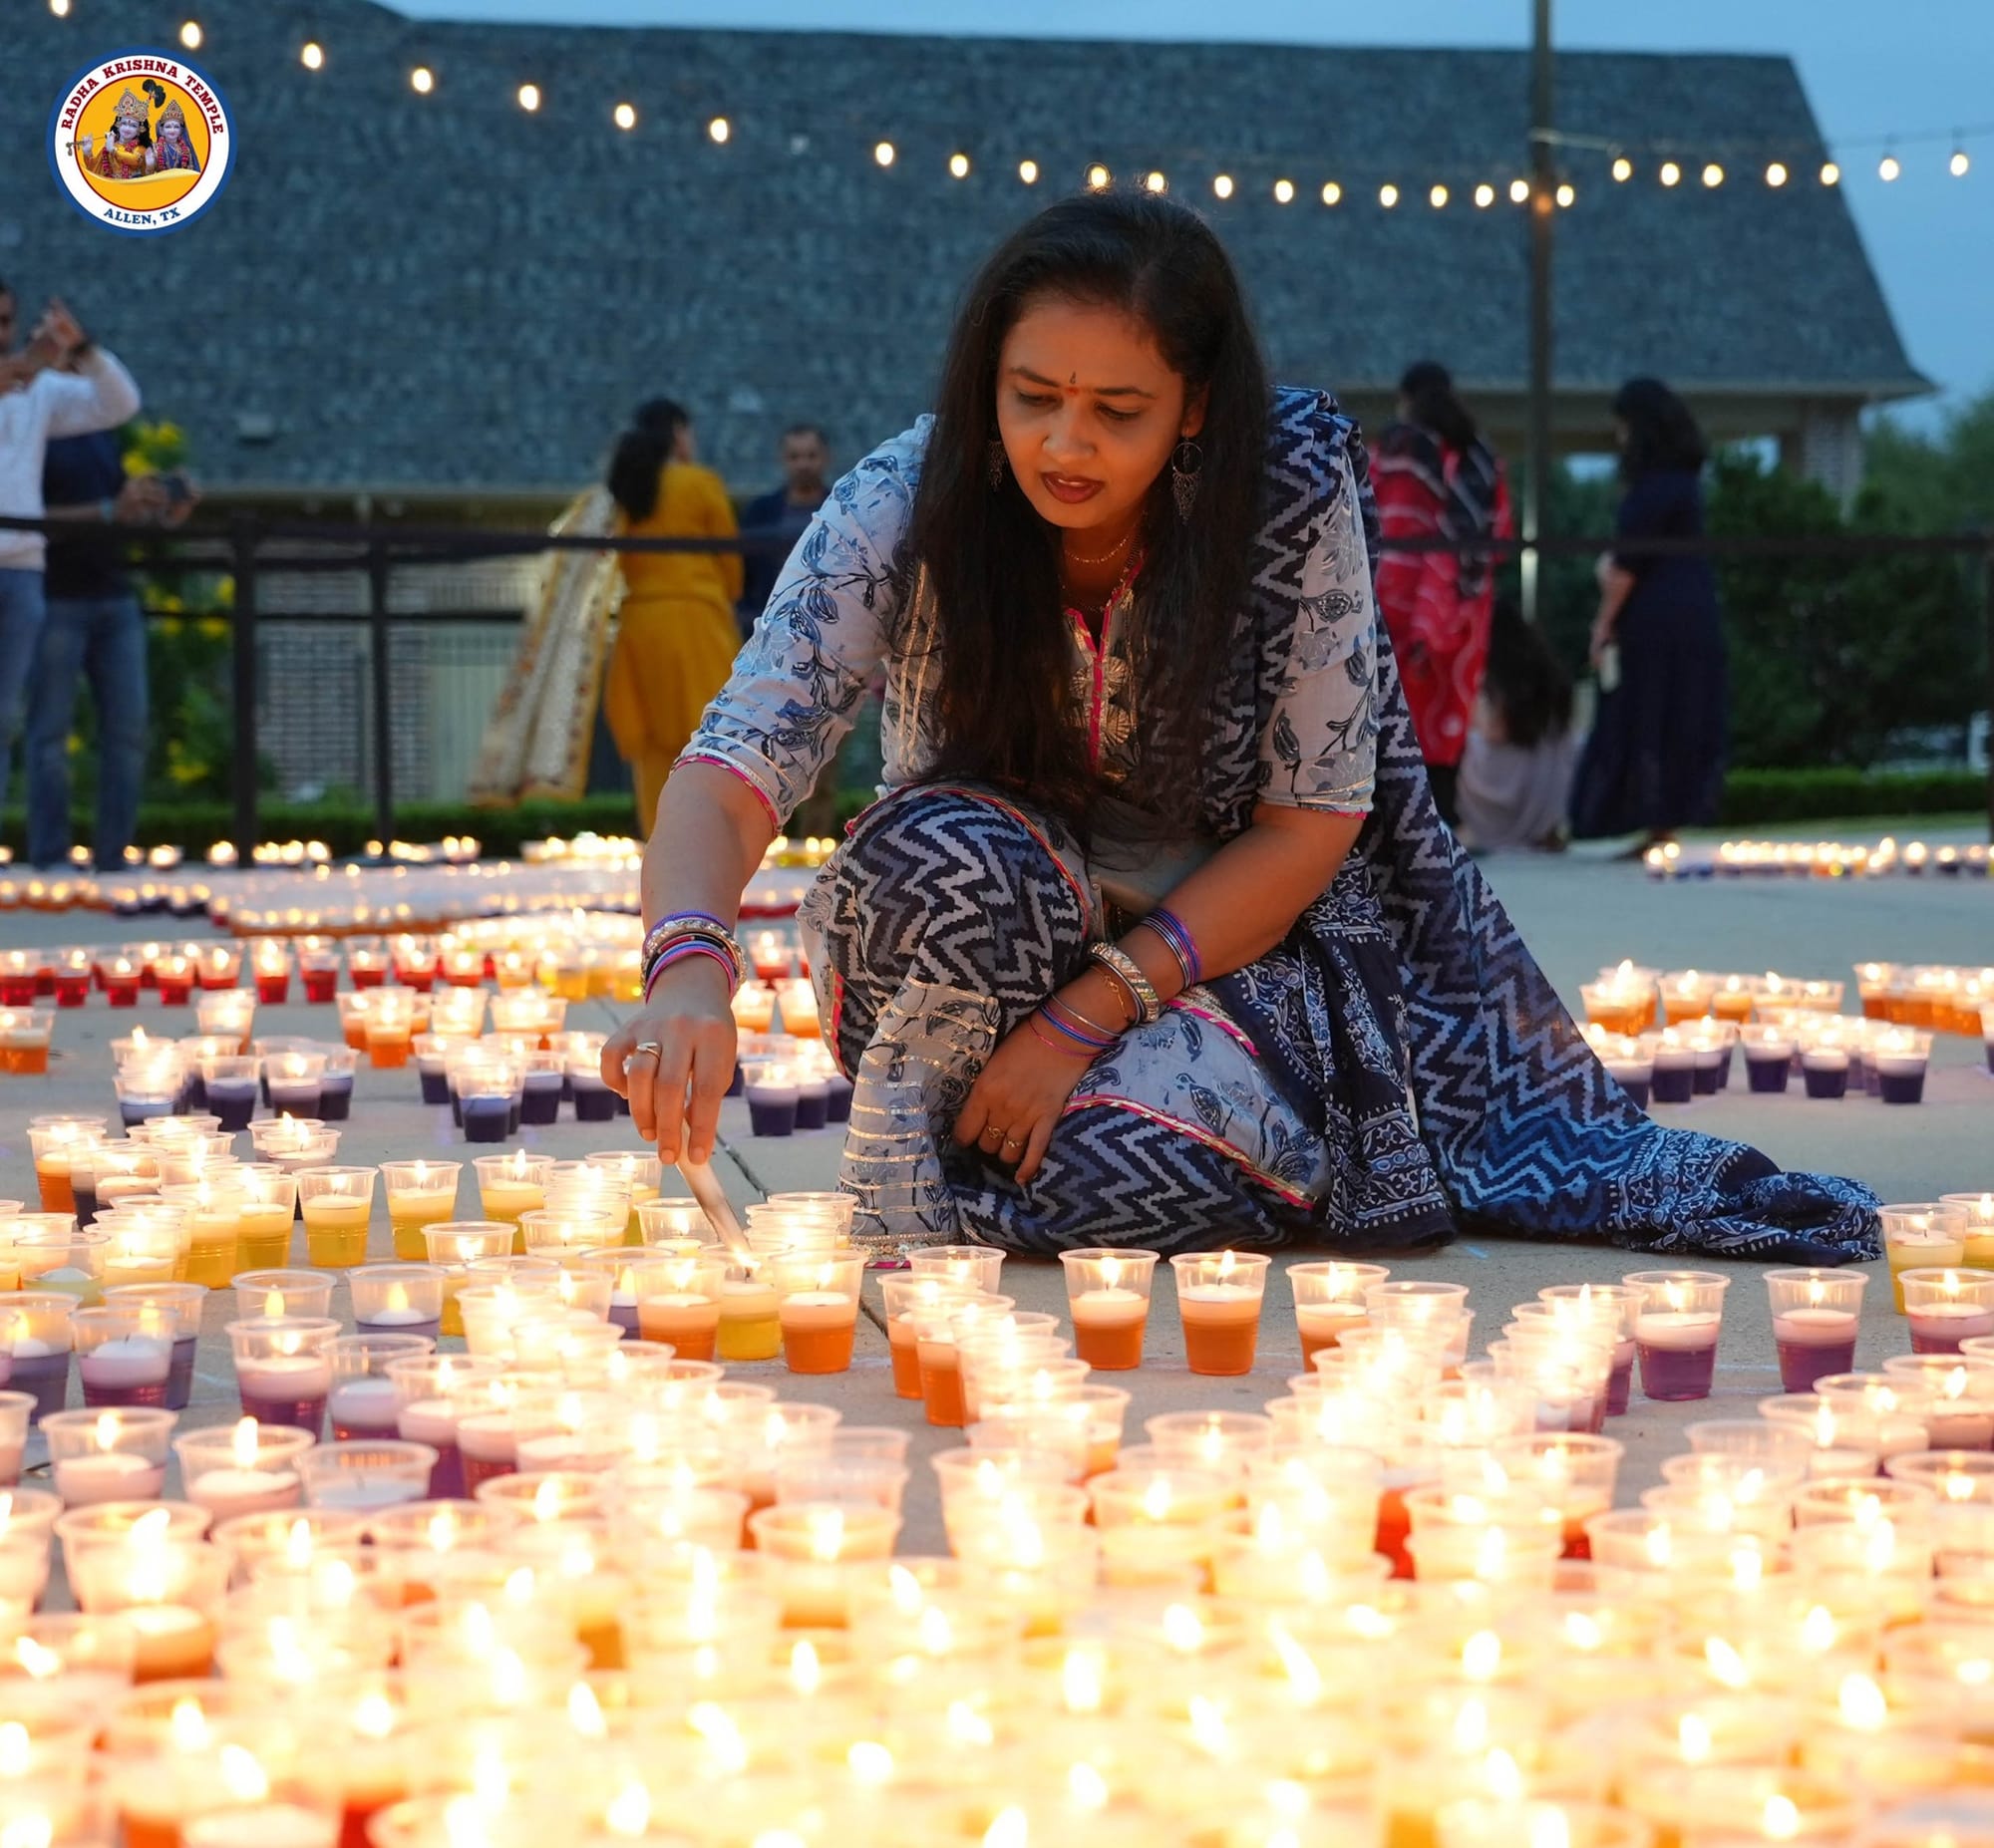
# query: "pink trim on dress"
1197,1134
1097,653
733,768
1231,1029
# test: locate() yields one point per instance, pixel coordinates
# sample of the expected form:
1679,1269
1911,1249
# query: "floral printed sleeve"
798,682
1320,746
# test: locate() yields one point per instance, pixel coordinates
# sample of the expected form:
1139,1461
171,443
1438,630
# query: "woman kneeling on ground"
1155,937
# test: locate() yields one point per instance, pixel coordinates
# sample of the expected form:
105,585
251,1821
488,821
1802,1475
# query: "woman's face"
1088,411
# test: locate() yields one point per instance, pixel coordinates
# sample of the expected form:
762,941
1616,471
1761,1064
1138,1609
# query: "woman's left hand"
1015,1104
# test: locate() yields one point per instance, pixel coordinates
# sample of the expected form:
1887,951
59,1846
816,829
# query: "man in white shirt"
37,403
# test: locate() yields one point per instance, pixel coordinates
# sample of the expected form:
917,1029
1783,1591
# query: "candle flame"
1209,1727
1228,1264
1157,1499
1724,1664
244,1445
806,1671
274,1303
16,1748
968,1726
1482,1656
1819,1629
373,1717
34,1659
1693,1738
27,1832
1862,1703
629,1812
1085,1786
242,1775
1502,1776
1181,1629
1081,1681
1581,1630
1303,1675
870,1762
548,1502
824,1533
1470,1728
1782,1819
1010,1829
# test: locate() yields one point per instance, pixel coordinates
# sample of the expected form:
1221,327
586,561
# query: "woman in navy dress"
1655,760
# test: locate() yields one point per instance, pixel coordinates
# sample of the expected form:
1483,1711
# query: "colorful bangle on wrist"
1064,1021
683,952
1044,1038
1179,941
1118,962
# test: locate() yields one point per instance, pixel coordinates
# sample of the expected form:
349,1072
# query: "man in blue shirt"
94,630
806,458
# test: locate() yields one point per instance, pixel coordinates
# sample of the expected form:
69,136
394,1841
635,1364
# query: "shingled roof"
450,293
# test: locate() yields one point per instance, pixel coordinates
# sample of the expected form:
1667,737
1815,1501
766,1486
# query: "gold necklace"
1112,551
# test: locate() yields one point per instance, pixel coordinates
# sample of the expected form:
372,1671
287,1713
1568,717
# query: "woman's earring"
1187,465
994,463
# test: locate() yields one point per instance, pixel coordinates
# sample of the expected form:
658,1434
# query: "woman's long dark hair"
992,562
1525,680
1661,433
642,453
1428,389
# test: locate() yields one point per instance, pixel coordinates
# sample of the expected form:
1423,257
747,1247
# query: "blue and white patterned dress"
1395,1070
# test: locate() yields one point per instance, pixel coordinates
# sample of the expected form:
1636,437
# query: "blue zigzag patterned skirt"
1277,1105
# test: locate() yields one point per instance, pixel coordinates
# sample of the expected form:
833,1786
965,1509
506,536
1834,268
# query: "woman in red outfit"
1436,479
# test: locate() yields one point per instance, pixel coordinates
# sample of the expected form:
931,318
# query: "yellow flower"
171,626
213,627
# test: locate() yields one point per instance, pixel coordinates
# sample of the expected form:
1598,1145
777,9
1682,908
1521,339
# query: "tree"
1914,483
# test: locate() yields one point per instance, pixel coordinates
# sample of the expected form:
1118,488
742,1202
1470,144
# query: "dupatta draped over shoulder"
1496,1115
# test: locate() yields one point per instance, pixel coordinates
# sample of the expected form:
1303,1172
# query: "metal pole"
242,674
1987,610
1543,205
376,639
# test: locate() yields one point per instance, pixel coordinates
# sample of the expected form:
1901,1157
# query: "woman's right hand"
675,1082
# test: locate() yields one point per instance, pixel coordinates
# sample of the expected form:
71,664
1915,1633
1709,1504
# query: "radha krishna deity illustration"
131,151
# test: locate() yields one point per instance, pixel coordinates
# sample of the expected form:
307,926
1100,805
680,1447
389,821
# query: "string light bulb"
719,131
1437,197
1332,194
422,80
1830,175
1960,164
1155,183
1713,175
1776,175
958,165
1670,173
1221,185
624,114
1566,192
1520,192
1623,169
60,8
1388,196
1284,191
313,55
885,153
1484,196
1888,168
1028,171
191,34
529,97
1099,177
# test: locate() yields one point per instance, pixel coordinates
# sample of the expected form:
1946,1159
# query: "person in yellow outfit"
676,634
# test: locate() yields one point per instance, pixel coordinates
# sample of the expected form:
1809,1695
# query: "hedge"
1765,795
1751,797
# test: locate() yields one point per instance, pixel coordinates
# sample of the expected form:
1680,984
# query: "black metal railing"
251,547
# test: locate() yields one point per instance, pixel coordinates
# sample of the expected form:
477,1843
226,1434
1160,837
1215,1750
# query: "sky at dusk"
1920,67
